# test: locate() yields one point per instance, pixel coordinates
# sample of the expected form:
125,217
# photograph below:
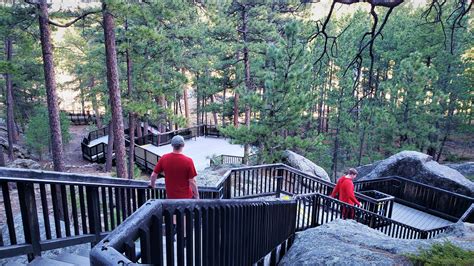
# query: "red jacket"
345,189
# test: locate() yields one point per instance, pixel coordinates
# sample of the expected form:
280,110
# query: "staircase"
63,259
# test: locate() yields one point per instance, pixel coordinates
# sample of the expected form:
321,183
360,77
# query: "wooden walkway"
416,218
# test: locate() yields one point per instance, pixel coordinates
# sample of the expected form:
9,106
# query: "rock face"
346,242
19,152
22,260
24,163
303,164
421,168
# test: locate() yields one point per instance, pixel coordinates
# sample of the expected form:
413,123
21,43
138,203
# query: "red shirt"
178,169
345,189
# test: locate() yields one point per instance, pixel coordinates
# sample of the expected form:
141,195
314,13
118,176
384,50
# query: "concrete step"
40,261
73,259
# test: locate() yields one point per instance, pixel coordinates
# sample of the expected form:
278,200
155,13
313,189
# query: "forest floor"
73,155
459,148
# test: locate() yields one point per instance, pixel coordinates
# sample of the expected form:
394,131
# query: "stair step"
40,261
73,259
14,264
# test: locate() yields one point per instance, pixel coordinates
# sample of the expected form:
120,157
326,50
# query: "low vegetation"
443,254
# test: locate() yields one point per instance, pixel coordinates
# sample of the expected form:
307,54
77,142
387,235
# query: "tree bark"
248,84
131,115
186,105
95,105
214,114
50,84
114,91
9,93
2,158
236,109
139,128
110,147
131,153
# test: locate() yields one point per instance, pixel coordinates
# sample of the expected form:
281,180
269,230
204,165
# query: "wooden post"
29,216
93,212
279,180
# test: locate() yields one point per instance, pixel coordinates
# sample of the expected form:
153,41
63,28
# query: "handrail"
96,204
440,202
414,182
324,209
237,237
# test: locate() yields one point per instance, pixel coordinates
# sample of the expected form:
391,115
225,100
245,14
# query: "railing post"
279,180
423,234
141,197
93,212
29,216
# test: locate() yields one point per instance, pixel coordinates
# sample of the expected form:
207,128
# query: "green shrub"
443,254
38,131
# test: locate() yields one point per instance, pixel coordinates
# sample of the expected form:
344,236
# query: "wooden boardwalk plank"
416,218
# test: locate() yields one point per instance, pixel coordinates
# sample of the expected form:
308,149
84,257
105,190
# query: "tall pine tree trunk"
110,147
214,113
248,84
131,115
236,109
2,158
9,93
186,106
50,84
95,105
114,91
139,128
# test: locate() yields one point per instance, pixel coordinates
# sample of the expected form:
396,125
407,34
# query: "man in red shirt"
179,172
344,189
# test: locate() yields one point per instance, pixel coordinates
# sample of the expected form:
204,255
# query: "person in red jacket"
344,191
179,172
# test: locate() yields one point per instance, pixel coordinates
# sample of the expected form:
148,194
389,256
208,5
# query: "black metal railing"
448,205
58,209
81,118
232,159
280,179
225,232
161,139
316,209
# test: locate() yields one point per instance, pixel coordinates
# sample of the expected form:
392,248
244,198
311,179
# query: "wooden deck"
416,218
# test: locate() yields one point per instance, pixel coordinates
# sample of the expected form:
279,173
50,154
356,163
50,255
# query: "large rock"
303,164
19,152
422,168
467,169
24,163
346,242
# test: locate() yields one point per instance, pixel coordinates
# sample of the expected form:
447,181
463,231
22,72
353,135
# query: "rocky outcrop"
305,165
22,260
466,169
24,163
421,168
19,152
346,242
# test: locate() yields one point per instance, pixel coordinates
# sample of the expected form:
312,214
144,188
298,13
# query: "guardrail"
85,208
225,232
316,209
448,205
81,118
232,159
